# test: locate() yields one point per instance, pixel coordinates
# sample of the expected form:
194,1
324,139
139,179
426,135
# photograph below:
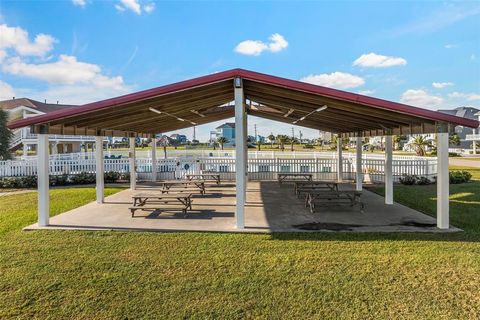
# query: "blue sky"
421,53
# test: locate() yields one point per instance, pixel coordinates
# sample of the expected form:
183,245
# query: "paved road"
464,163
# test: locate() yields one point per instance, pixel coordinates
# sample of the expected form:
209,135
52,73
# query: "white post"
359,173
339,159
443,181
25,149
131,156
100,168
240,154
43,183
154,159
474,146
388,174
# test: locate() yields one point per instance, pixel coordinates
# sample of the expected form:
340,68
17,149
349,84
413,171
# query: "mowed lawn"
72,274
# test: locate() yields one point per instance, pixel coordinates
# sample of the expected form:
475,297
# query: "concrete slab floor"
270,208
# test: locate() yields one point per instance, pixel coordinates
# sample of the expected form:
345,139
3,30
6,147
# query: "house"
226,130
179,138
474,136
463,132
22,108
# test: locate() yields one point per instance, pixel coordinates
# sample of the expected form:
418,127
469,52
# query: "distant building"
261,139
463,132
226,130
22,138
179,138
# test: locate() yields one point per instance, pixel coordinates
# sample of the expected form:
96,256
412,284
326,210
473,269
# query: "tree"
281,140
420,143
271,137
259,144
5,136
345,142
454,139
222,141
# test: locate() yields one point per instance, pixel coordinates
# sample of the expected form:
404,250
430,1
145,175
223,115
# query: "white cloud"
421,98
450,46
446,15
149,7
366,92
72,94
467,96
472,57
441,85
67,70
339,80
79,3
256,47
6,91
132,5
373,60
17,39
277,42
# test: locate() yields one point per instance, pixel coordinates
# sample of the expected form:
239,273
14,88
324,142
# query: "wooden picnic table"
204,176
294,177
140,201
302,187
166,185
333,198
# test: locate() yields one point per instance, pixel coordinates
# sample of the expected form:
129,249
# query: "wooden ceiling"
209,98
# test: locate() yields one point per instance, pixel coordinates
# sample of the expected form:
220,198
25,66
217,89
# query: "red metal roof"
253,76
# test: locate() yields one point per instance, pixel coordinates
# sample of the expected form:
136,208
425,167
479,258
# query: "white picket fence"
258,168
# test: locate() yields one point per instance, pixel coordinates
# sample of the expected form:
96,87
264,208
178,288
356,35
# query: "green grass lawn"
81,274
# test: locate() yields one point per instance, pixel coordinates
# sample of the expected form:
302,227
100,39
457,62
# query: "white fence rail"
173,154
258,168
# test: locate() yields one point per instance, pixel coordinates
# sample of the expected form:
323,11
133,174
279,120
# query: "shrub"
408,179
61,180
423,181
83,178
125,176
459,177
111,176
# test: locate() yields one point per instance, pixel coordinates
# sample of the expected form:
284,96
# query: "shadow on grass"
376,236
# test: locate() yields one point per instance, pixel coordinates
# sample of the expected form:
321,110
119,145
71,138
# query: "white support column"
339,159
359,173
133,173
43,181
240,154
388,174
443,181
154,159
474,146
99,168
25,149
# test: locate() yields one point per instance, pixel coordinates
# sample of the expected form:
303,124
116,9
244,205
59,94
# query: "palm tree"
5,136
222,141
420,143
282,139
454,139
271,137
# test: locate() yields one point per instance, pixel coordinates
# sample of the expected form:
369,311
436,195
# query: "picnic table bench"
294,177
167,185
144,201
302,187
204,176
333,197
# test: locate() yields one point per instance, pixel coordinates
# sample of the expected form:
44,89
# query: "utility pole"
255,128
293,138
194,135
